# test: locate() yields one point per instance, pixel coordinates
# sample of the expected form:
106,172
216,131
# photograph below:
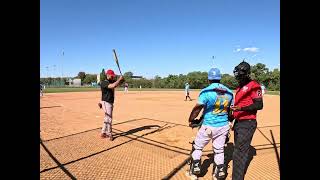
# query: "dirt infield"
151,137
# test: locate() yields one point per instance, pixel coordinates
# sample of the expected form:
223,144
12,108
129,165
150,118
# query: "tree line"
196,79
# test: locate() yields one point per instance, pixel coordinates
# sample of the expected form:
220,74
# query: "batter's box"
165,134
77,147
140,127
83,145
135,160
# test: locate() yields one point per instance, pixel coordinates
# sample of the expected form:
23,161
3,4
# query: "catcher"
215,100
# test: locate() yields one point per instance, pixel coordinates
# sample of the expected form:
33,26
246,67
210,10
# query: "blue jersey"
217,99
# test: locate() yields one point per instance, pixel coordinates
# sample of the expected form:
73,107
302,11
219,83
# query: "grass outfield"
84,89
70,89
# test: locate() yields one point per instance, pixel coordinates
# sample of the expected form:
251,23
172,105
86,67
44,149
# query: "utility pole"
47,71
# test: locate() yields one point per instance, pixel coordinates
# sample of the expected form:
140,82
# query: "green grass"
273,92
86,89
150,89
70,89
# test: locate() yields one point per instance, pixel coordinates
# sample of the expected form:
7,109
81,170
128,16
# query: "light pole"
41,72
54,69
62,63
47,71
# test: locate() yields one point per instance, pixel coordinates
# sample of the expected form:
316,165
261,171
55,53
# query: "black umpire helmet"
242,71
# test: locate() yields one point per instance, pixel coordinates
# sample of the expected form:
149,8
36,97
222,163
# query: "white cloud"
254,55
248,49
237,50
251,49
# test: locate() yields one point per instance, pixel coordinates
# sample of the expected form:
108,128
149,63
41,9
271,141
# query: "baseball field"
151,137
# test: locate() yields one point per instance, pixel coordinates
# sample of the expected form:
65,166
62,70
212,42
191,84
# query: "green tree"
229,81
260,73
274,80
127,75
81,75
197,79
157,82
103,75
90,78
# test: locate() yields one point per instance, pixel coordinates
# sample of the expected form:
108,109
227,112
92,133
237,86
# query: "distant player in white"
186,90
263,89
126,87
41,88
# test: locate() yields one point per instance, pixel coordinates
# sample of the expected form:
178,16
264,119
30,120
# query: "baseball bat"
116,59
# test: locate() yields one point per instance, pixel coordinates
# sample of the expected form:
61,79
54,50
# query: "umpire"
248,100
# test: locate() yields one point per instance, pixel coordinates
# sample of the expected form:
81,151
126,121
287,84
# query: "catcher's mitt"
195,123
100,105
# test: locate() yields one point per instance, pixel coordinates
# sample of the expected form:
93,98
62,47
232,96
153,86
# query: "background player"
41,89
126,86
215,100
186,90
263,88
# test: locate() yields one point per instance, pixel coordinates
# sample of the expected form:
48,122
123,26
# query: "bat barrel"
116,59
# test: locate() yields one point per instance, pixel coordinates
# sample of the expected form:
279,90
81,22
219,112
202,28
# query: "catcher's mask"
242,72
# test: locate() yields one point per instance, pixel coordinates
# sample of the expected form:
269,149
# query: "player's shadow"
228,153
252,152
135,130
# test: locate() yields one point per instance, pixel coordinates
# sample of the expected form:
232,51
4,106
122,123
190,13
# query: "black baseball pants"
243,133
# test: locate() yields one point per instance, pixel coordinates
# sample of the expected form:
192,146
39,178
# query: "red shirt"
244,97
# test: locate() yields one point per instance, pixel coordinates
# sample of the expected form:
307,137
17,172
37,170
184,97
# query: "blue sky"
157,37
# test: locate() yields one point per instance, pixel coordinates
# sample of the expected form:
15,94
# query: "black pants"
243,133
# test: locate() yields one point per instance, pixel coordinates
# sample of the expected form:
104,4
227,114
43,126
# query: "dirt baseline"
151,137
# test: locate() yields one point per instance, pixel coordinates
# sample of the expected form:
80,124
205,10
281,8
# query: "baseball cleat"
111,138
195,167
221,173
103,135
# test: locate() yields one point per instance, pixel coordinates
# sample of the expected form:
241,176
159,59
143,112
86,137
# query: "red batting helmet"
110,72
